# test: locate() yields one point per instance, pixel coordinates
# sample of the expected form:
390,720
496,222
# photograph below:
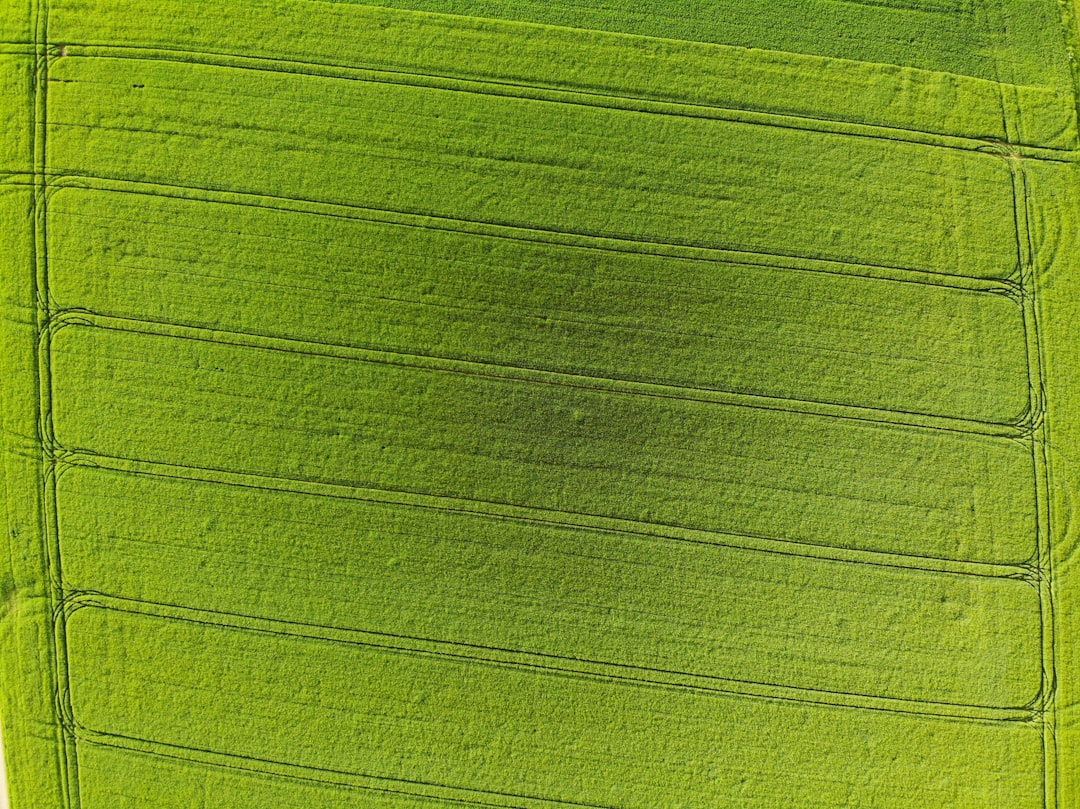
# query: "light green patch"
437,403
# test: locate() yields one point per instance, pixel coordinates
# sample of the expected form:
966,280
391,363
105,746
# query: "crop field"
540,404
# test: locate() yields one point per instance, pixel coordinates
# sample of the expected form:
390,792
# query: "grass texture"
500,403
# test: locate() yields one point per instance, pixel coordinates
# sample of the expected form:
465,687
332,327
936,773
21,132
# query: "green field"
540,404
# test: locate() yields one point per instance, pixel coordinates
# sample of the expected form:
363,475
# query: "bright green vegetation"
1020,39
661,742
554,444
464,403
694,322
572,168
551,588
604,67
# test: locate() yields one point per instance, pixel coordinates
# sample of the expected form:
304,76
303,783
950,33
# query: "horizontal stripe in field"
112,777
564,591
507,731
1019,39
388,424
306,36
988,38
775,332
531,163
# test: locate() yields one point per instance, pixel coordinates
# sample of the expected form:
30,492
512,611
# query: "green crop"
520,403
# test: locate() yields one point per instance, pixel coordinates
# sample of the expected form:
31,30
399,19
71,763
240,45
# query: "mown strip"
510,731
581,169
295,413
298,38
765,331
